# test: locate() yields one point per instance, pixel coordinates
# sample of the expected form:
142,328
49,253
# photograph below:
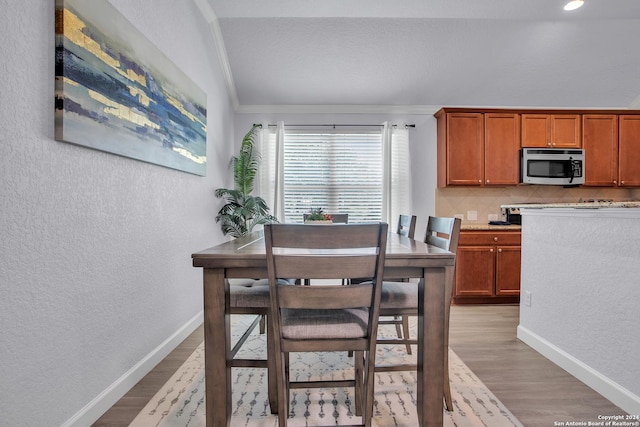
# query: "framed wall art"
117,92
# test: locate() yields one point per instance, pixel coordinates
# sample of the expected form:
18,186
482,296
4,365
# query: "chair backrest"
443,232
340,218
407,225
335,218
326,252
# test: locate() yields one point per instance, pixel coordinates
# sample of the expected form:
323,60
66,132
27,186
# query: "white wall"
95,249
422,141
581,269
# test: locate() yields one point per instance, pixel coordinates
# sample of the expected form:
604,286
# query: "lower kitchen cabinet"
488,267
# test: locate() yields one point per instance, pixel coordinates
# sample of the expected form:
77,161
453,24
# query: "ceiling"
419,55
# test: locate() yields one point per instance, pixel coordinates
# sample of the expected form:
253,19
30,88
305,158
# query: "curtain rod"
334,125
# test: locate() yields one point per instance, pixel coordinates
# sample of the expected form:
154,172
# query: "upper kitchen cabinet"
600,143
478,149
501,149
551,130
629,151
460,148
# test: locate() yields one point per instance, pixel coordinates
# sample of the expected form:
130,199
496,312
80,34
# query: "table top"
250,251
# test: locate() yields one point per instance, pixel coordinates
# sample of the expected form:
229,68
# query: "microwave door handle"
572,169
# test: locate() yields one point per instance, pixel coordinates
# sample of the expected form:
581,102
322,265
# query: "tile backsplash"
486,201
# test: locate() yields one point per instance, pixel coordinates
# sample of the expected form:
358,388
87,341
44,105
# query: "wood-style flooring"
536,391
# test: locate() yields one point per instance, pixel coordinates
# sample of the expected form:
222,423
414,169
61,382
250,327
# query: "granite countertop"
581,205
481,227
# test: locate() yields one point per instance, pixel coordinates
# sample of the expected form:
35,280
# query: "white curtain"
271,171
396,187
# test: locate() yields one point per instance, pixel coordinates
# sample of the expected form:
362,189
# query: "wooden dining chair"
406,227
401,298
322,317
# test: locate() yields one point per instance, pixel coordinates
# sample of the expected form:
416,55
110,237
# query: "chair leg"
359,368
272,375
369,374
405,328
448,403
283,391
262,324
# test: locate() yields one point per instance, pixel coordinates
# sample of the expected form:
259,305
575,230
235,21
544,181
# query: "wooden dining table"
246,258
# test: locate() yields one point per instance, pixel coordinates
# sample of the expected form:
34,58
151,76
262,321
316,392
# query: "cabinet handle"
479,181
621,182
615,182
499,250
488,181
495,239
491,250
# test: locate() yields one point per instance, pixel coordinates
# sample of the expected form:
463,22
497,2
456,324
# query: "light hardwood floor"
534,389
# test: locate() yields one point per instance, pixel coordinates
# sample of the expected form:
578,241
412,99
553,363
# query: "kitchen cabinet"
612,150
488,267
600,143
476,149
629,151
551,130
460,149
501,149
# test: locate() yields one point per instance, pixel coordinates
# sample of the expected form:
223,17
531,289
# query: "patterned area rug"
180,402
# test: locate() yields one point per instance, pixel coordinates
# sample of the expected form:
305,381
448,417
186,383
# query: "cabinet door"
475,271
629,151
465,154
565,131
535,130
508,270
551,130
501,149
600,143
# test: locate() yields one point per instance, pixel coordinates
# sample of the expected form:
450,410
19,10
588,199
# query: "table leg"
431,300
271,368
217,349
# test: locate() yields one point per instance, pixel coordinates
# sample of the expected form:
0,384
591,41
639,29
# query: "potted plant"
243,211
318,216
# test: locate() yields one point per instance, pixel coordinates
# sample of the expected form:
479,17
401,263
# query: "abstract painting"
117,92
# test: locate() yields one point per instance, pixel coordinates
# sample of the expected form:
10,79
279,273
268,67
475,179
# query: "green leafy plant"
318,215
243,211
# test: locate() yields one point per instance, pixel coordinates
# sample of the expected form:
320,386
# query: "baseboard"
105,400
616,394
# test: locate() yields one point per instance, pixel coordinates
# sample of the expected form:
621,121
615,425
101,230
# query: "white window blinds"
340,172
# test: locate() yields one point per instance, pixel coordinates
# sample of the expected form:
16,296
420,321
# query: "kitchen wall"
487,201
96,282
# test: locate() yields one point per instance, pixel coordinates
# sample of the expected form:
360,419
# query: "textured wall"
581,268
95,248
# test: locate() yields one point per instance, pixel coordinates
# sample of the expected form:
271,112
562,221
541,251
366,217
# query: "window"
340,172
363,173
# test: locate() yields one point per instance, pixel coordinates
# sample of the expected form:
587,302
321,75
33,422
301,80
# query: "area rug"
180,402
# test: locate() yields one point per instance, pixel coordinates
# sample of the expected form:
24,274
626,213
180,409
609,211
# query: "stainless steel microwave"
552,166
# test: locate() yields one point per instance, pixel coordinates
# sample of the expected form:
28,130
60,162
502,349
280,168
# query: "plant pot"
318,221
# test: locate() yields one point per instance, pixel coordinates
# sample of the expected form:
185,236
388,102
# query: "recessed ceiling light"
573,4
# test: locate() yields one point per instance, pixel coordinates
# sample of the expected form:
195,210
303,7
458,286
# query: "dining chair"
406,227
324,317
401,298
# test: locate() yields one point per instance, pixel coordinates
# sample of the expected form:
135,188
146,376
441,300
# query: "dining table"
245,257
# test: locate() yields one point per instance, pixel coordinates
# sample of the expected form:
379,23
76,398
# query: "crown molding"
216,34
337,109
